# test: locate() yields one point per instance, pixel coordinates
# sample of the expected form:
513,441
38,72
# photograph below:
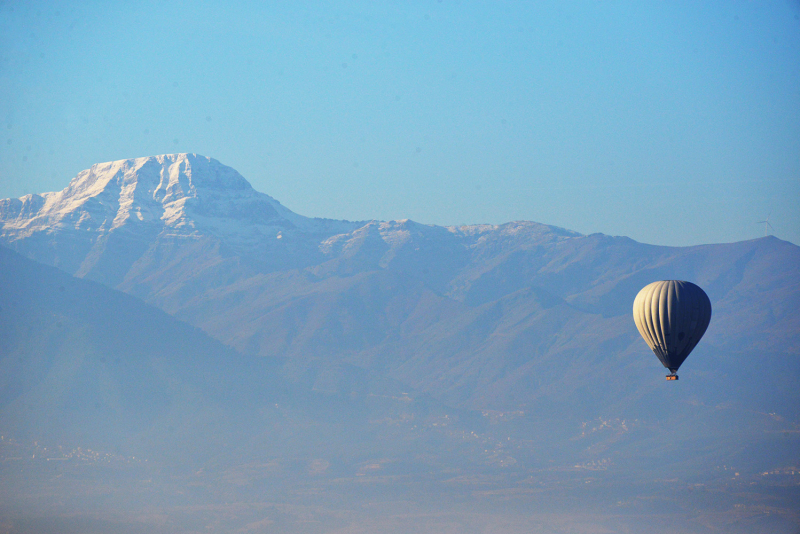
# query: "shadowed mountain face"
85,364
444,362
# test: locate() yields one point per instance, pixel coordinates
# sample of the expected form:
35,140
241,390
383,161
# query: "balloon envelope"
672,316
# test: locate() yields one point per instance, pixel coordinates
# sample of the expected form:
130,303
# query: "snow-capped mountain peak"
187,193
111,214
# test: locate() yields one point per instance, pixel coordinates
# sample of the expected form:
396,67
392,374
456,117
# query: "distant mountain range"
479,316
339,349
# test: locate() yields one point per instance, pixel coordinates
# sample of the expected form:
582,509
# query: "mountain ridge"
388,295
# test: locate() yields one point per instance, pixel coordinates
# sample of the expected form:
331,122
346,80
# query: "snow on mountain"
112,214
184,194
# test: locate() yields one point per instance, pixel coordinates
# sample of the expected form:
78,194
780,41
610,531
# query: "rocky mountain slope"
83,364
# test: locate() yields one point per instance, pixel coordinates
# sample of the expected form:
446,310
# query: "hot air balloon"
672,316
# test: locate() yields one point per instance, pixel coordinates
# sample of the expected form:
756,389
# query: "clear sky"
670,122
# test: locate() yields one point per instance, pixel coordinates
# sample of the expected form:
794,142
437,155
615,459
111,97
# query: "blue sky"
673,123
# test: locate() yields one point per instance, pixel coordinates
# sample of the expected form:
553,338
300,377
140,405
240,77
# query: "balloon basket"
672,377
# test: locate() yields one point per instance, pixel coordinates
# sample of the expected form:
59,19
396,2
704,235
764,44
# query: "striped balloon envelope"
672,316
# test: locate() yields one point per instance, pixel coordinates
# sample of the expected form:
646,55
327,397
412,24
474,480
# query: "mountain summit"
125,206
186,193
